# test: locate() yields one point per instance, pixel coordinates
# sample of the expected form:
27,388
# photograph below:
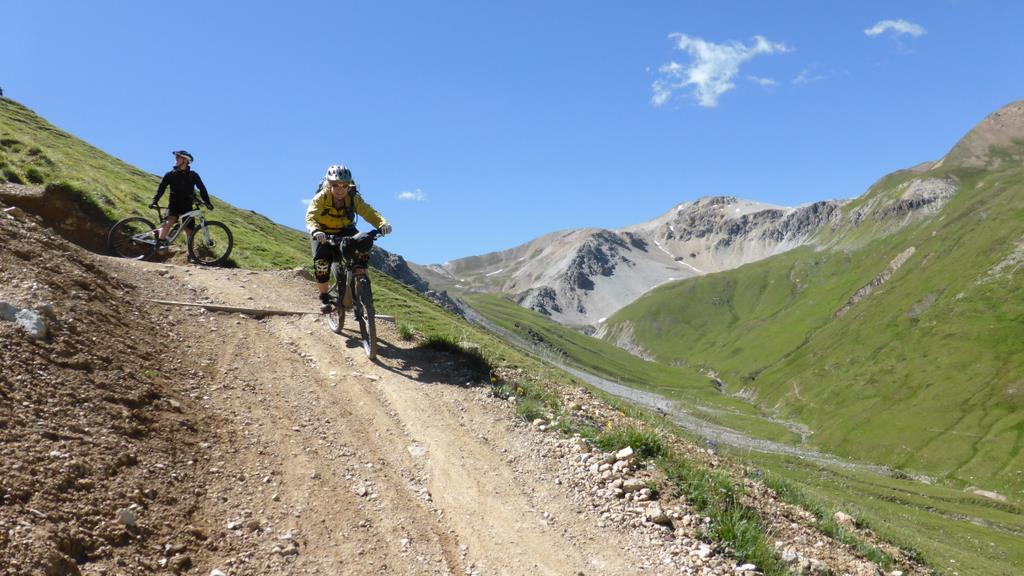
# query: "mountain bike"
136,237
351,286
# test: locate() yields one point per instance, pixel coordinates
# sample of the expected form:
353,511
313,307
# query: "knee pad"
322,270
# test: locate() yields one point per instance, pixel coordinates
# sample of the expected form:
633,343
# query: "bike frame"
350,272
194,215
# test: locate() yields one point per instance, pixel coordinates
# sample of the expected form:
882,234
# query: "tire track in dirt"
331,460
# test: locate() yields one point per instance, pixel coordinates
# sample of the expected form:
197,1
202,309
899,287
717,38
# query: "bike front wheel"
367,320
336,317
211,245
133,237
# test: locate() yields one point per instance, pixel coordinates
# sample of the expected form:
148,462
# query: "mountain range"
580,277
891,324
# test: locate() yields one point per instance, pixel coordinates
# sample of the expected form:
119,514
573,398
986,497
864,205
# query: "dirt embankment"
141,439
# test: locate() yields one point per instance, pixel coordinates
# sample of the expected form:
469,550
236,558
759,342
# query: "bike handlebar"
336,239
197,203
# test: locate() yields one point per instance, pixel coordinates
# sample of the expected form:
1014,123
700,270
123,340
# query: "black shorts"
178,205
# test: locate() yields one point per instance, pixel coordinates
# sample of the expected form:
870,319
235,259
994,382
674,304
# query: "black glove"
209,206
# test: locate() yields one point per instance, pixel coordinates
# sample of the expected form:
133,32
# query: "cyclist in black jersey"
183,182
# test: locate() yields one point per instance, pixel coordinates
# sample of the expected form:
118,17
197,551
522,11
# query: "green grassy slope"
953,532
925,373
32,151
948,527
684,385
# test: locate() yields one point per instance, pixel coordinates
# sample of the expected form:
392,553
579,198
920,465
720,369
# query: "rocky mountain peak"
999,137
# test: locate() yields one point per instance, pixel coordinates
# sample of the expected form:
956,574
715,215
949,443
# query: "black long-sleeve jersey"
183,184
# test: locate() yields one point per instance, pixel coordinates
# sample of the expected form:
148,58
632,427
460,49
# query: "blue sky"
476,126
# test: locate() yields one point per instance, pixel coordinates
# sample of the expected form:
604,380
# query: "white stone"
844,520
633,485
624,454
126,516
655,513
30,321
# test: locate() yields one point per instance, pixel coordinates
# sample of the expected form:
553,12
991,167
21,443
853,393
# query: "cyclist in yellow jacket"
333,211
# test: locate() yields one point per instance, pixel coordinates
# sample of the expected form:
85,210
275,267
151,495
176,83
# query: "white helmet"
338,173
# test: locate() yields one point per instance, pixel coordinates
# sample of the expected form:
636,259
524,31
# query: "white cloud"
305,201
898,28
711,70
763,81
807,75
416,195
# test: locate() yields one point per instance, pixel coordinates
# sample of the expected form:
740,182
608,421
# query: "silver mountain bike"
136,237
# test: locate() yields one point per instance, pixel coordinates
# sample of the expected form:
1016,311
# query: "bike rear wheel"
336,317
211,245
134,237
367,319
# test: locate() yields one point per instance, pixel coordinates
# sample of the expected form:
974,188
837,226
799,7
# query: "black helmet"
184,154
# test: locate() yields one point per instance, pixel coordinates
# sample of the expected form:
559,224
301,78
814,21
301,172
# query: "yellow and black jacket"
322,215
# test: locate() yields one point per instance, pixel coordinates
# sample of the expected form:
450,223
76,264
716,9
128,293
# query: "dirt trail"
398,466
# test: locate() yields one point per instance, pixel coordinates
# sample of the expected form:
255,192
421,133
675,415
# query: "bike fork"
354,303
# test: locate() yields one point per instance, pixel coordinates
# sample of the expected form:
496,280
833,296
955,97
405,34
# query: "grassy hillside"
947,526
32,151
952,531
925,373
686,386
